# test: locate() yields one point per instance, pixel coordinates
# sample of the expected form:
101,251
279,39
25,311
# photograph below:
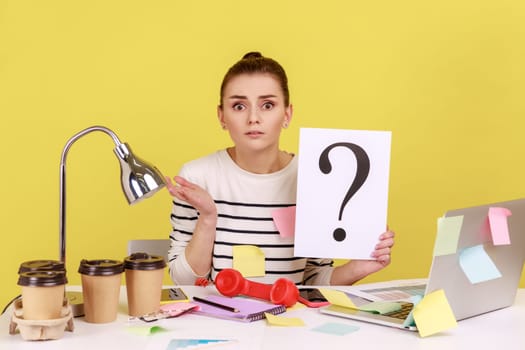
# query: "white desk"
499,329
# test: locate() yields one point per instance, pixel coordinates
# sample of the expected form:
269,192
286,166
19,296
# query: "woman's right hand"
193,194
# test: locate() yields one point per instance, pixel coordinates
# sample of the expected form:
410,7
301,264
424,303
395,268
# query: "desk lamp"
139,180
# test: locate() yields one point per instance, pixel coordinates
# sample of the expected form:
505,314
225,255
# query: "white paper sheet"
321,207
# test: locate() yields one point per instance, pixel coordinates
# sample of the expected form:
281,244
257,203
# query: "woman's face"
253,111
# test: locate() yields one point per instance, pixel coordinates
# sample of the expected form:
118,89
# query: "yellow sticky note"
337,297
249,260
283,321
296,306
433,314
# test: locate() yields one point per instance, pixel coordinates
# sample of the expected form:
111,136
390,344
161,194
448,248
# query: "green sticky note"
448,235
381,307
144,330
335,328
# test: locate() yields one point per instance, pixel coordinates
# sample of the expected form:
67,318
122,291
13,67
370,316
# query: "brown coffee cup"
101,281
144,275
42,294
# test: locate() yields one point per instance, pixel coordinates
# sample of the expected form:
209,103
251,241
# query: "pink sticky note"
498,225
284,220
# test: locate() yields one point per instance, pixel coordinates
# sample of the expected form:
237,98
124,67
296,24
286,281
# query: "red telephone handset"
230,282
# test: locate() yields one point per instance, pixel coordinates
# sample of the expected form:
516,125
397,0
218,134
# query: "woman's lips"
254,133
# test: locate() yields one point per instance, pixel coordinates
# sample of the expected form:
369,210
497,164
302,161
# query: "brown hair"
252,63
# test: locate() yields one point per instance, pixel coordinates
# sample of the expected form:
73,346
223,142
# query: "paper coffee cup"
144,275
42,294
101,281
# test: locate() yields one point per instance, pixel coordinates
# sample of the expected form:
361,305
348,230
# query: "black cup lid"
144,261
42,278
42,265
101,267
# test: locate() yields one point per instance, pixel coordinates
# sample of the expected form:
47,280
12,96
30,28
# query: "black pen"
212,303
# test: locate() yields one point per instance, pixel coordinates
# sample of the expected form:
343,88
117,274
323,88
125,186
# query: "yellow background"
446,77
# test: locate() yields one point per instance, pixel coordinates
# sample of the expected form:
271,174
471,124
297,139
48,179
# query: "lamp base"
76,300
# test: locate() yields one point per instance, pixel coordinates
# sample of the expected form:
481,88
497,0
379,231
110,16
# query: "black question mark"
363,168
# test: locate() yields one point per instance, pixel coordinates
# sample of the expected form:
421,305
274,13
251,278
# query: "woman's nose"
253,117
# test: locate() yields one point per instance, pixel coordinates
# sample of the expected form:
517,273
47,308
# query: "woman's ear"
220,115
288,113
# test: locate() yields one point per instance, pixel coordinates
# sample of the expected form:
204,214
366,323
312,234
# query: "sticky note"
249,260
196,343
283,321
337,297
409,321
296,306
448,235
381,307
433,314
335,328
284,220
144,330
499,228
477,265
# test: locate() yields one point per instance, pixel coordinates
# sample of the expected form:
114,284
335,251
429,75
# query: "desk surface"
504,327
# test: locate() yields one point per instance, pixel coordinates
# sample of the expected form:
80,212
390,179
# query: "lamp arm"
62,208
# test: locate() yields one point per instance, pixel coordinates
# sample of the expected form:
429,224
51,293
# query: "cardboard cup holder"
41,329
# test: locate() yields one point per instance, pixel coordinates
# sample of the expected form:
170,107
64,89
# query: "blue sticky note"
409,321
335,328
194,343
477,265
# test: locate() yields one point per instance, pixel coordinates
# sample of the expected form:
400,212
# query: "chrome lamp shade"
139,178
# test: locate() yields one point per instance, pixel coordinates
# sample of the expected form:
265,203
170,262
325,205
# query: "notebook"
249,310
466,299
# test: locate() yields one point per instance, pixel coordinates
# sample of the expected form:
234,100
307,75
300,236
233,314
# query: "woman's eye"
267,106
238,107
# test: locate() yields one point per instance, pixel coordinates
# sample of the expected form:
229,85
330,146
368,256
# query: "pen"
221,306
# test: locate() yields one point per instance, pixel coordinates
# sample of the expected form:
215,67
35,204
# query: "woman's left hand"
354,270
383,248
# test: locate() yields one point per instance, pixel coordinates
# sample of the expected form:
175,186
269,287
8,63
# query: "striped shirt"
245,202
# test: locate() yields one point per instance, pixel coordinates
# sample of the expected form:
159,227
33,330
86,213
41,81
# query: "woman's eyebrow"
237,97
267,96
242,97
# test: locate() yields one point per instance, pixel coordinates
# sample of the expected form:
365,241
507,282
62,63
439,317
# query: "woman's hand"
192,194
383,249
354,270
198,252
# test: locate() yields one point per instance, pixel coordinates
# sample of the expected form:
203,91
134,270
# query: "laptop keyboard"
402,313
398,292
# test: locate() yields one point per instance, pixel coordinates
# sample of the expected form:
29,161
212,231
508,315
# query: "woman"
227,198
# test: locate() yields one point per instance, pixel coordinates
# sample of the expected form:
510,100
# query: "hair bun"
252,54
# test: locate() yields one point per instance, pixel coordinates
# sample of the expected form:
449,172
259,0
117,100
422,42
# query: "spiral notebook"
249,309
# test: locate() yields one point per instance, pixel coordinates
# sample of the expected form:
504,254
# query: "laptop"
466,299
